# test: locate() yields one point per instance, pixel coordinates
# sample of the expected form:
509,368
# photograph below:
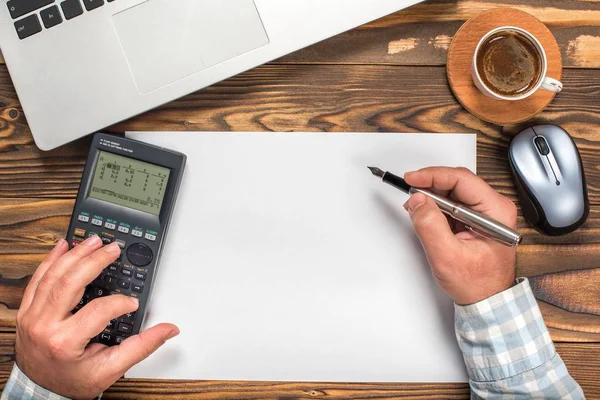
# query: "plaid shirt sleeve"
508,351
20,387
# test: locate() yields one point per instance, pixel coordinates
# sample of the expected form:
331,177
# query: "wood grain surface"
386,76
459,67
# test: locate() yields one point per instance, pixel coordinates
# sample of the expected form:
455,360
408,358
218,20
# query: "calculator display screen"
129,182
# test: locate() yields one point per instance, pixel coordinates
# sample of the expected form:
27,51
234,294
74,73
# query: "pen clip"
488,236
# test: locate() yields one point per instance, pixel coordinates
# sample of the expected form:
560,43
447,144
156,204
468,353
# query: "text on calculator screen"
129,183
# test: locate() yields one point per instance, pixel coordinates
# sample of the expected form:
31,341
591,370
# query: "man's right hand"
467,267
52,344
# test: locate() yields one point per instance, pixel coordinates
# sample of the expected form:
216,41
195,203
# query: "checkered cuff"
504,335
20,387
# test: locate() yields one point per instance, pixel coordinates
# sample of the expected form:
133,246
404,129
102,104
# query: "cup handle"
552,85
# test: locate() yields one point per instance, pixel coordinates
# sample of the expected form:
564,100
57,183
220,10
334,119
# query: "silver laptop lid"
91,63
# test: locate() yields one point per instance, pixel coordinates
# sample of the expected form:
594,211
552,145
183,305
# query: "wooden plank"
420,35
296,98
582,360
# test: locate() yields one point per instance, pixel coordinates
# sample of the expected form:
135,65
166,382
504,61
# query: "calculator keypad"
127,275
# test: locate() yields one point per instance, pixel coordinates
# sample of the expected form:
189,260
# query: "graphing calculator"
127,195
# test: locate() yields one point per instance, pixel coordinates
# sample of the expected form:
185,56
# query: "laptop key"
71,8
28,26
19,8
51,17
92,4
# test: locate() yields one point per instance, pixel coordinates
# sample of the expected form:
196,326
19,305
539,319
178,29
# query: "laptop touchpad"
166,40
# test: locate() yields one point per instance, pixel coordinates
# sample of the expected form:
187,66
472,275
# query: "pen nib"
376,171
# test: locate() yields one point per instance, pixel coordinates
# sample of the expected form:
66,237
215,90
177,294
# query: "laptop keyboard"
50,16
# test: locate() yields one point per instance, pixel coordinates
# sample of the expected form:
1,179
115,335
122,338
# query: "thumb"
137,348
432,228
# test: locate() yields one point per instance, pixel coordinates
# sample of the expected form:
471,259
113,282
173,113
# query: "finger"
77,253
69,288
59,288
94,348
68,259
95,316
137,348
467,187
59,249
433,230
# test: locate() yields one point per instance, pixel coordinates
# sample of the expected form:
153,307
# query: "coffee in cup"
510,64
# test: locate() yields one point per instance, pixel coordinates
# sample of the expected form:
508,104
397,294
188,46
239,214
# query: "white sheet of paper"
287,260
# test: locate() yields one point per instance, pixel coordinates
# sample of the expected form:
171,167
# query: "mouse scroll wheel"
542,145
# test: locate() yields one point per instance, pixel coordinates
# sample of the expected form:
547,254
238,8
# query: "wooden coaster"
460,57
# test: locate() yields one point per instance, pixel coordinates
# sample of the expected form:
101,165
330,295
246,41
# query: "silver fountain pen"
474,221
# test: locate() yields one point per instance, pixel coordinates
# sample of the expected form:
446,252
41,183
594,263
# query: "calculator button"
150,237
96,222
128,318
81,303
123,229
123,284
105,338
136,233
137,288
139,254
83,218
90,234
99,292
119,339
121,243
98,282
140,275
125,328
112,274
126,272
79,232
110,226
111,324
110,281
106,239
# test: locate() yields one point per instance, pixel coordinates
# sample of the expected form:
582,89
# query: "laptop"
81,65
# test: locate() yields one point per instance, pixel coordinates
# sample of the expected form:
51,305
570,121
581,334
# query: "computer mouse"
550,179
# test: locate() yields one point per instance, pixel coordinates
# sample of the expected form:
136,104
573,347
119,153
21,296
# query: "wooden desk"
386,76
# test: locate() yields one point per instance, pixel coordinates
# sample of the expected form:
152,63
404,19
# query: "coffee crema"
509,64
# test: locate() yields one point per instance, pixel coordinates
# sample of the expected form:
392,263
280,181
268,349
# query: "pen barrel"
474,221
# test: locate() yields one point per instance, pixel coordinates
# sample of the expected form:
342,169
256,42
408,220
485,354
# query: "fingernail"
135,302
112,248
92,241
407,174
173,333
61,243
415,201
405,205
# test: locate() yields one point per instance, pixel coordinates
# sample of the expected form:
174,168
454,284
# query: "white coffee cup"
544,82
